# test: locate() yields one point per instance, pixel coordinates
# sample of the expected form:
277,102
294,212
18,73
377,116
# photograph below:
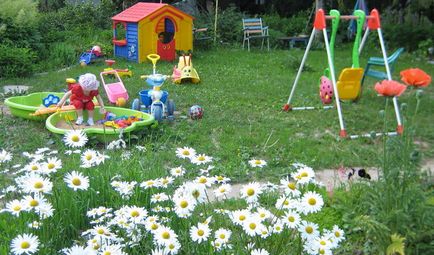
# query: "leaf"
397,246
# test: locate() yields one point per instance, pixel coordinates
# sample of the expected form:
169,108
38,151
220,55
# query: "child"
82,94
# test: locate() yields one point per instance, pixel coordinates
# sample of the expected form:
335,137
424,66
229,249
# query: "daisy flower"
5,156
76,250
338,234
263,213
164,236
177,171
14,207
291,219
75,138
308,230
240,216
173,247
159,251
113,249
251,192
34,202
76,181
311,202
207,181
284,202
290,187
185,152
45,210
257,163
252,226
159,197
304,175
221,179
51,166
184,205
200,233
201,159
259,252
137,214
222,235
149,184
88,158
25,244
35,224
223,190
34,183
278,227
166,181
33,167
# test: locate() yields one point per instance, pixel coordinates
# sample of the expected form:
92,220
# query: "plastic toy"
122,72
26,106
349,83
116,92
50,100
82,95
196,112
185,71
326,90
151,28
102,133
155,100
111,120
90,56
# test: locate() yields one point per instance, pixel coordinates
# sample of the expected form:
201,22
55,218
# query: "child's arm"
66,96
101,103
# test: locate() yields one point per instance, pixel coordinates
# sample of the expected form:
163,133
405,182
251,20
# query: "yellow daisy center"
262,215
286,202
309,230
88,156
252,225
185,153
135,214
200,232
166,235
16,208
201,158
100,231
171,246
222,236
220,178
278,228
196,194
337,234
76,181
75,138
154,226
202,180
264,232
150,183
322,242
242,217
321,251
291,185
304,174
178,171
50,166
250,192
222,190
34,203
107,253
38,185
291,218
183,204
34,167
25,245
312,201
257,162
165,181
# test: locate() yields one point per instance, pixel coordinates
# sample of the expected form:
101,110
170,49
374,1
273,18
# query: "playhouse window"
119,33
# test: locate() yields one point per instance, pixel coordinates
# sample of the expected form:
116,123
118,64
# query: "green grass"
242,94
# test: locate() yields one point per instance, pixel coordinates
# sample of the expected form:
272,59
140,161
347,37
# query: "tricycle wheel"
170,107
157,112
136,104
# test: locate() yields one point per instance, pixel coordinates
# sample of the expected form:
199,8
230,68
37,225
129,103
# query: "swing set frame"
320,24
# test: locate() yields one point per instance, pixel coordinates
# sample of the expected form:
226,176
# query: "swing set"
348,87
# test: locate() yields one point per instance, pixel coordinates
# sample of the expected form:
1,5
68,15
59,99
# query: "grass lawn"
242,94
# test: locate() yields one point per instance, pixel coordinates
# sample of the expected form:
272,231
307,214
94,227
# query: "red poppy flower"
415,77
389,88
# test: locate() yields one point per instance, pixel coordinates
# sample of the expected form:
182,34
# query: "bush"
230,25
15,62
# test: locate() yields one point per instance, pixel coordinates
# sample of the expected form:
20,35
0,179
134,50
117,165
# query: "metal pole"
215,21
335,89
300,69
389,76
365,37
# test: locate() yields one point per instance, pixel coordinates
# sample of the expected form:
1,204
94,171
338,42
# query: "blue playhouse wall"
129,51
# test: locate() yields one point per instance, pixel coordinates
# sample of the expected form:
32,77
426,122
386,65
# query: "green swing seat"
378,61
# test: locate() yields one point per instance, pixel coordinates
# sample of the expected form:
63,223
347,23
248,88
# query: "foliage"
229,25
23,13
15,62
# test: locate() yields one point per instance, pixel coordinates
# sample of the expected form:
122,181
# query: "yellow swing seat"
349,83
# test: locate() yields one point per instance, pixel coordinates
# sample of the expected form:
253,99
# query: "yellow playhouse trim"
148,36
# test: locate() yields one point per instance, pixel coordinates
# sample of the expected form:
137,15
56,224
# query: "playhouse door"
166,41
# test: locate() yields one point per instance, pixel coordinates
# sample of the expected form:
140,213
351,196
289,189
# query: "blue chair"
378,61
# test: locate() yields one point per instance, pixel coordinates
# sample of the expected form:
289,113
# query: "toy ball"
121,102
326,90
97,50
83,63
196,112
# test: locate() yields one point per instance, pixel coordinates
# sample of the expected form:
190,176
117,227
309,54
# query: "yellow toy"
185,71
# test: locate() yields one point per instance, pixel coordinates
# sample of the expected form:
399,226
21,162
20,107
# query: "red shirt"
78,94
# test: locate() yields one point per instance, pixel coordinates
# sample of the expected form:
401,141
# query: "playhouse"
151,28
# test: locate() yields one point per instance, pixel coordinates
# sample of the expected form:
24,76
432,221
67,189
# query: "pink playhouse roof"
140,11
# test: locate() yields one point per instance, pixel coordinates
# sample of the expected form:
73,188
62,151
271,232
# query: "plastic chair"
378,61
254,29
